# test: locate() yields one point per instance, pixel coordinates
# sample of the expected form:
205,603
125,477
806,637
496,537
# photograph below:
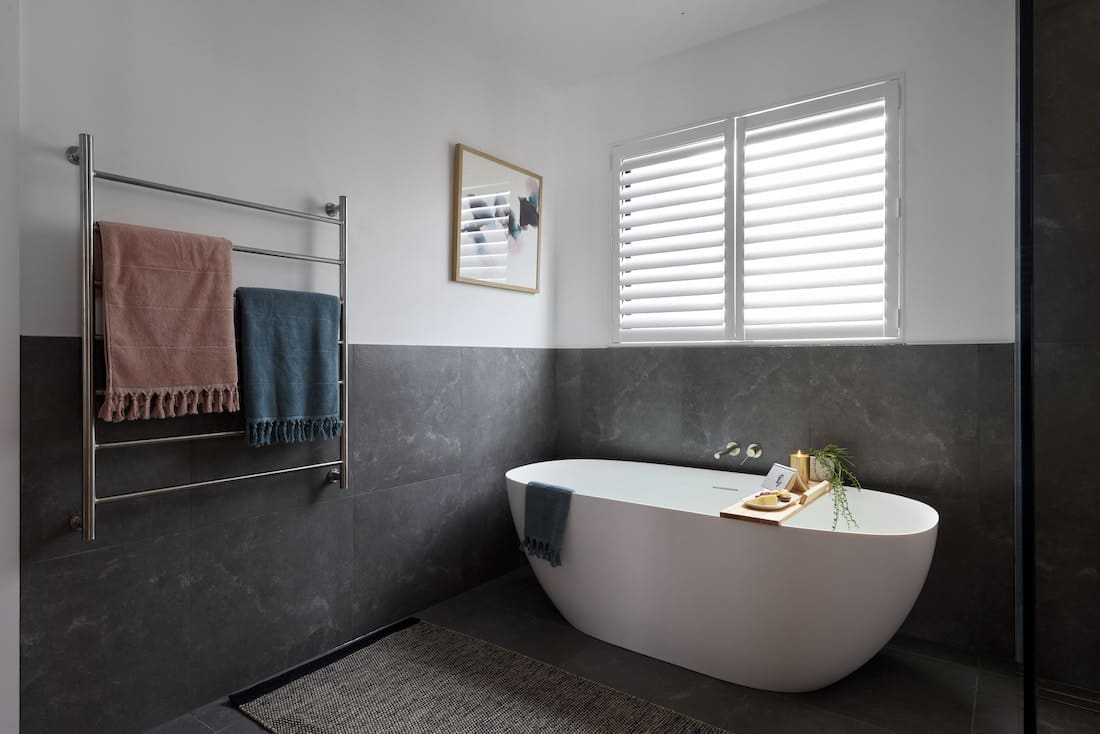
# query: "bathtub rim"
931,523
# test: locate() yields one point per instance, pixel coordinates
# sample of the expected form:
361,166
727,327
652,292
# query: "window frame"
734,128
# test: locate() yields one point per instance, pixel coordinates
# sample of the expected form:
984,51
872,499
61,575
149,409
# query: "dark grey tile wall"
185,597
188,596
1067,333
930,422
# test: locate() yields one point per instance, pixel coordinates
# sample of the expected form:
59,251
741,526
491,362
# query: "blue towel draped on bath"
290,365
545,511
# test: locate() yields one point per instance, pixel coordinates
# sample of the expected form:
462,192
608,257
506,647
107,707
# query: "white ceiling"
567,41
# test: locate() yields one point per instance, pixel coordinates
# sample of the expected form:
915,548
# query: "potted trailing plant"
834,464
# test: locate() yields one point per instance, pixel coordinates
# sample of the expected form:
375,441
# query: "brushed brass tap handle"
732,449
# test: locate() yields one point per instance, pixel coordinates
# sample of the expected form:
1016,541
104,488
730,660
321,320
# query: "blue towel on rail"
545,511
290,365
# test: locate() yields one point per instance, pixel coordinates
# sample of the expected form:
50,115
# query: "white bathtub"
649,565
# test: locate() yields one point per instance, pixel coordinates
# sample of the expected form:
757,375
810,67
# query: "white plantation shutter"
782,225
817,218
670,223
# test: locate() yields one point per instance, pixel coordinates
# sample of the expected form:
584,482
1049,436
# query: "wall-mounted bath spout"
732,449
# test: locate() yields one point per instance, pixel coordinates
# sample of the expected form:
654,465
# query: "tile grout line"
31,564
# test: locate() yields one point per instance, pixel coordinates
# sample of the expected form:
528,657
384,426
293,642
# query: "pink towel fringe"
125,405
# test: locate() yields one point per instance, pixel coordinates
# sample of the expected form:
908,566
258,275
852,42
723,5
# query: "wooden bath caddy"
801,495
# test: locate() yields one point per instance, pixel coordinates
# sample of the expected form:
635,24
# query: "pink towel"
168,323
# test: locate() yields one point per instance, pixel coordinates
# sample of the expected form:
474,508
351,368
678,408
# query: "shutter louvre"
671,212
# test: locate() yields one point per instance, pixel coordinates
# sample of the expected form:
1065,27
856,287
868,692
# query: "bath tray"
738,511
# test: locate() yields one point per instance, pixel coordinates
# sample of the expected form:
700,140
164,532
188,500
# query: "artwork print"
497,213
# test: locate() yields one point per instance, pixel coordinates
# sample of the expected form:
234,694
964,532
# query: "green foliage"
837,465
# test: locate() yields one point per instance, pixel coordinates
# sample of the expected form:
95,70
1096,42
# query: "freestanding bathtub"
648,564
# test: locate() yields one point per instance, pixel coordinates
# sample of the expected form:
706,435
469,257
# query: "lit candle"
800,462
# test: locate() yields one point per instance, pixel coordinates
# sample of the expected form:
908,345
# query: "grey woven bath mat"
426,679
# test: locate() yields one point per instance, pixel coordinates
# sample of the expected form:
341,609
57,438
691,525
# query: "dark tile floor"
906,688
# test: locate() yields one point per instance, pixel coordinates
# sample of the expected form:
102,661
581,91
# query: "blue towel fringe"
293,430
542,549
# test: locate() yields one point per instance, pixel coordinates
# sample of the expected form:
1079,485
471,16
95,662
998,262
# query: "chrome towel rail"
335,213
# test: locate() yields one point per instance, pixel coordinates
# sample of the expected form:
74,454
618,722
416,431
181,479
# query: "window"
781,225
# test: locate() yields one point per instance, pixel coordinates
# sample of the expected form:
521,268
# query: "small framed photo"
497,238
783,477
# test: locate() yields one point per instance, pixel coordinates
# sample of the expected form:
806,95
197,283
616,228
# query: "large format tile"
267,593
995,556
228,457
997,397
250,498
998,704
186,724
507,407
50,462
905,693
1060,718
995,575
1068,567
1067,545
491,546
218,715
1065,432
998,709
511,611
631,403
1066,265
736,708
223,718
909,415
945,610
222,457
746,394
406,410
407,550
568,377
104,638
1067,104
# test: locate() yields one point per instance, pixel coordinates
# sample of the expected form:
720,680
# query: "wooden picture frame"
496,238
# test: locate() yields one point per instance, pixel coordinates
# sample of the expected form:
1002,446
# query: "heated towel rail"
82,156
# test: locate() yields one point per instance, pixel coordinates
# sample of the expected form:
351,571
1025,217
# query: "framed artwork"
497,239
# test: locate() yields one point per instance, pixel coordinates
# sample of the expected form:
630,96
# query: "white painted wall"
290,103
9,367
294,103
958,61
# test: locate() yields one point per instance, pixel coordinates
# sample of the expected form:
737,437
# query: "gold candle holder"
800,462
